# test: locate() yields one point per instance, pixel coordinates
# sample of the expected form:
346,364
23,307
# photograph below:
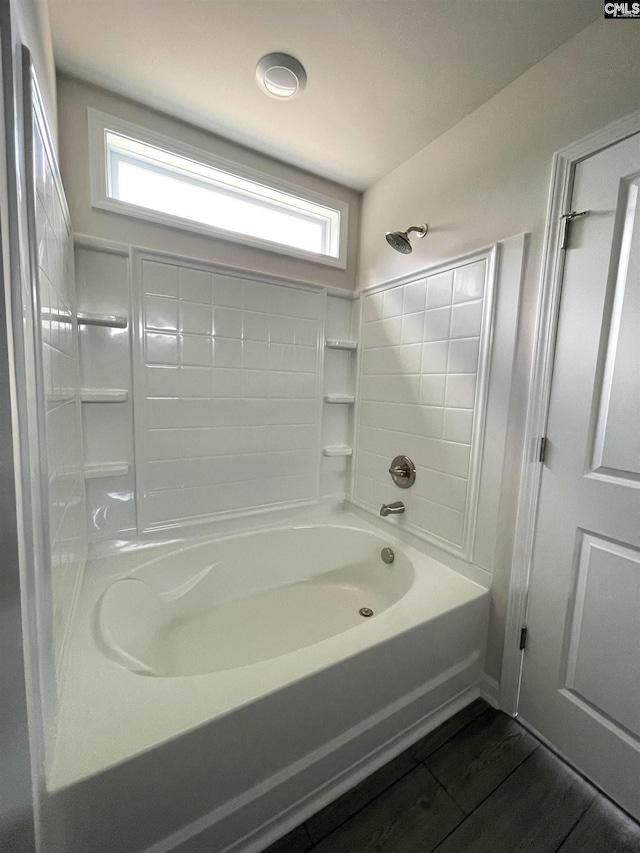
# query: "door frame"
540,376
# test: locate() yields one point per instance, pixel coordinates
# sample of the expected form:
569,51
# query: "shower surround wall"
229,370
227,385
55,286
422,393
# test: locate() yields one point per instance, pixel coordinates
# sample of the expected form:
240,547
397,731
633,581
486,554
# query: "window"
140,173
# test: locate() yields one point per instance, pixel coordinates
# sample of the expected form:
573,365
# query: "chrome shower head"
399,240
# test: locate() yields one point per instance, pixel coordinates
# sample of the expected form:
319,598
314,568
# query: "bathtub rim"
392,526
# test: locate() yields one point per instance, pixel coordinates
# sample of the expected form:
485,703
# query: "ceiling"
385,77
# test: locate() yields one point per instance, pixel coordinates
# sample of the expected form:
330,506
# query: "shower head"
399,240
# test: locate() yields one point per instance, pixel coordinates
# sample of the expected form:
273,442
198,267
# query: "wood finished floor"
478,784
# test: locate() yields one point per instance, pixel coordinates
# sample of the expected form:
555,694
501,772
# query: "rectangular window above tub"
140,173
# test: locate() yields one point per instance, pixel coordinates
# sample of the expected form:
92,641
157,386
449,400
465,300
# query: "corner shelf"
112,321
93,470
345,345
104,395
337,450
339,398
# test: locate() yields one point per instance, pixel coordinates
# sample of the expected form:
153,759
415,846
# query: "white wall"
75,96
487,178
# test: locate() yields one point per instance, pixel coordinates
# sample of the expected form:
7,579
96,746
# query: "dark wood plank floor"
478,784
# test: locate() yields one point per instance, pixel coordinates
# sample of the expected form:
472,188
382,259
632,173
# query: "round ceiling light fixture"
281,76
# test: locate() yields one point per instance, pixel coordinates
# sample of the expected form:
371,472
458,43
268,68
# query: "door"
581,669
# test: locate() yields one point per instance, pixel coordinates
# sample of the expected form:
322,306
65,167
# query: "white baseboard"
490,690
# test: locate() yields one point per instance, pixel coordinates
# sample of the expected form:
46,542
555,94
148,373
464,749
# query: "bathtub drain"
365,611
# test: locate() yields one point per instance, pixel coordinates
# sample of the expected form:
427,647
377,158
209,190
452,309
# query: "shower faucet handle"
399,471
403,472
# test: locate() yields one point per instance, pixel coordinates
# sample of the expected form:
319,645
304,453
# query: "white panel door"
581,675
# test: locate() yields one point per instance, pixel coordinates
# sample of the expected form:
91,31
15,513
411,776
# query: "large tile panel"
227,391
425,351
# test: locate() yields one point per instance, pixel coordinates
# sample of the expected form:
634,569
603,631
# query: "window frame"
100,124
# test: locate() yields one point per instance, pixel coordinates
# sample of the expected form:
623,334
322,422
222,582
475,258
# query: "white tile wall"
56,290
421,394
227,393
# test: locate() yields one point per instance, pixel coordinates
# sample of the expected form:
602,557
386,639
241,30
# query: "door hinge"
564,226
523,637
542,448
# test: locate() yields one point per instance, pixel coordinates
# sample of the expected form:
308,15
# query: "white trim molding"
490,690
562,177
101,123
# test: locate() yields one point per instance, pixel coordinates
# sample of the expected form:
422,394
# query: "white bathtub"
247,599
220,692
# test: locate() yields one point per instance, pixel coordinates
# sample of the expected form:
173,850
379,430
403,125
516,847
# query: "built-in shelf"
347,345
339,398
112,321
104,395
92,470
61,395
57,316
338,450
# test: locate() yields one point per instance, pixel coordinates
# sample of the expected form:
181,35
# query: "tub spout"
392,509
